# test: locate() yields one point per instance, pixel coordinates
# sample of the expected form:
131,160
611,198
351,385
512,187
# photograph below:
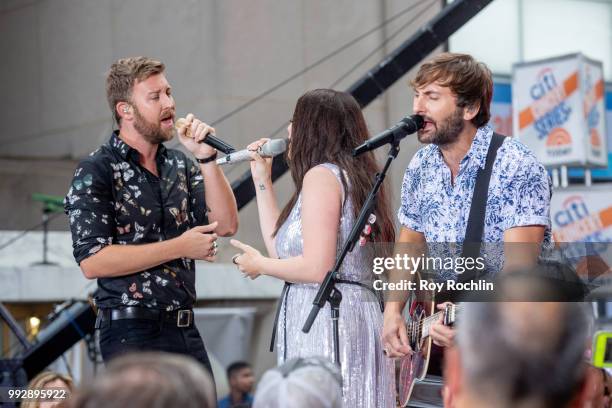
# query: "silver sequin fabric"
368,376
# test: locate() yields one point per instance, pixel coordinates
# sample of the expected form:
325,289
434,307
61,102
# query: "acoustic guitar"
413,368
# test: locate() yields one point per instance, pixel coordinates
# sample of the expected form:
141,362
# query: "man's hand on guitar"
442,335
394,335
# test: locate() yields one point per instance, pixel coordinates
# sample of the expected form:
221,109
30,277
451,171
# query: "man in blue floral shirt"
140,214
453,94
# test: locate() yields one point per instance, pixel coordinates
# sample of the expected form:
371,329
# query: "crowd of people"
507,354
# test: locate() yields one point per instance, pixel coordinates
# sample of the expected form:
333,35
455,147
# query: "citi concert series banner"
559,112
582,214
578,213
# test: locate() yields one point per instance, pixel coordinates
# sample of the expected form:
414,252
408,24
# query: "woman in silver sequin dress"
304,239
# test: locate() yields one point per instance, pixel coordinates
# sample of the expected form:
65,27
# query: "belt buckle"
184,318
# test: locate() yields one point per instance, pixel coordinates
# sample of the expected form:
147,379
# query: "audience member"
518,355
49,380
312,382
145,380
241,380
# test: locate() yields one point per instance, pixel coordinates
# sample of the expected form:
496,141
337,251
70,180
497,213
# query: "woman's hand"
249,261
261,169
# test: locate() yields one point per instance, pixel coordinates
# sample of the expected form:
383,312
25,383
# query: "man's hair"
467,78
143,380
123,75
235,367
515,354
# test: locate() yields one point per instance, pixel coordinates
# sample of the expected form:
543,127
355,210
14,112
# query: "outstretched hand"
248,261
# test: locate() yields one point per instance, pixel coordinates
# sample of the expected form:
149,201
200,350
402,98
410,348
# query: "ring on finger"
234,258
215,245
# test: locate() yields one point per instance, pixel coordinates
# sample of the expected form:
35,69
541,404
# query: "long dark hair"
326,126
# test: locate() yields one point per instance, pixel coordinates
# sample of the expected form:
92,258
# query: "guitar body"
414,368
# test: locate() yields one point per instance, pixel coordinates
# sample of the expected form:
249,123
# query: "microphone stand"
328,291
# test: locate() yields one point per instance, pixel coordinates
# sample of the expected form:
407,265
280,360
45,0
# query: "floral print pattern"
519,192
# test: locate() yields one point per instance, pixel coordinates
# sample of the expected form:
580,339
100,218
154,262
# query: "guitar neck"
449,317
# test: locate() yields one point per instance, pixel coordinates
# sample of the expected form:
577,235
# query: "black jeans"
129,335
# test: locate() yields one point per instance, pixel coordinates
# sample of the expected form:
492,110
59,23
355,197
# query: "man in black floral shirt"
140,214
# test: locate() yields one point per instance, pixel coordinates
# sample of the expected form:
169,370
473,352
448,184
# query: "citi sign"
574,222
549,106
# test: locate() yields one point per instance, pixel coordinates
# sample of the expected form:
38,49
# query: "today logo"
559,142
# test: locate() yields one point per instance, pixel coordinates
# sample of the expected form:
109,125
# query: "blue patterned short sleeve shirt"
519,191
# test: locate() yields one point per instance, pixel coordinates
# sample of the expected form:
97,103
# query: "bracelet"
207,159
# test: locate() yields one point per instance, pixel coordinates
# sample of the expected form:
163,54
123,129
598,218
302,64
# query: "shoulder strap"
475,224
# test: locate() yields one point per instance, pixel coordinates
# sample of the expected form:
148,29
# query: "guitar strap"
473,237
475,225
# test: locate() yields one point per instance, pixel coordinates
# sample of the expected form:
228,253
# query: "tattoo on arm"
262,187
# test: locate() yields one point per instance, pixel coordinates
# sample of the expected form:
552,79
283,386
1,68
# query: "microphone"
403,128
209,139
270,149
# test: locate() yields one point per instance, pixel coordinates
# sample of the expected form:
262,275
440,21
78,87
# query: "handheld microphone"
270,149
209,139
403,128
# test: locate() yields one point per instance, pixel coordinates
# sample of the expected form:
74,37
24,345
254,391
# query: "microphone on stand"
209,139
403,128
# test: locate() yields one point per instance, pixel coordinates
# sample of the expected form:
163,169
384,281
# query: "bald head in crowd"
515,354
151,379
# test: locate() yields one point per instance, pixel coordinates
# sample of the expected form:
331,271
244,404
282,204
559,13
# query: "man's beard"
151,132
448,132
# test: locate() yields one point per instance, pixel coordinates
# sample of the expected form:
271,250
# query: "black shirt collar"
128,152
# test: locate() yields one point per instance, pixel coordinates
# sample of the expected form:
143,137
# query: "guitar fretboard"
423,325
